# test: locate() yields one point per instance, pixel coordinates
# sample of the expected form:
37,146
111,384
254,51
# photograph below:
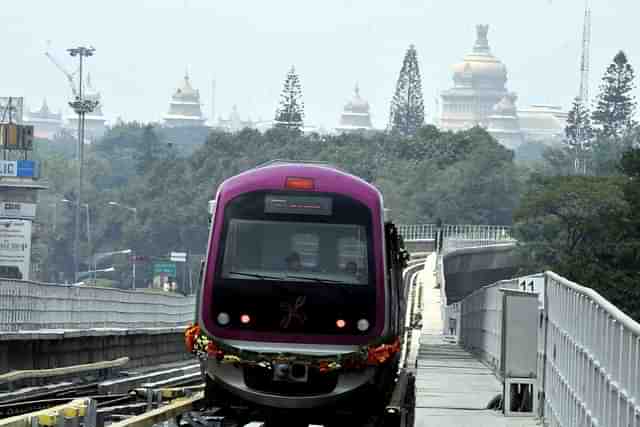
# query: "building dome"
184,107
185,92
356,116
480,68
357,103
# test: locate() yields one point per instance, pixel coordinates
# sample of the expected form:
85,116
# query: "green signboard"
168,268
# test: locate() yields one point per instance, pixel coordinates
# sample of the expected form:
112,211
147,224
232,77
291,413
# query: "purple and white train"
300,262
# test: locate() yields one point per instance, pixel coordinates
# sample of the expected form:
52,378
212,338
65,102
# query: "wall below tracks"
426,245
466,270
56,349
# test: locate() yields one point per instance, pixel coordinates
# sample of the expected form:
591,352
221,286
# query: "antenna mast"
585,61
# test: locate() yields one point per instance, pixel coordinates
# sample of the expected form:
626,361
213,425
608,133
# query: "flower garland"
376,353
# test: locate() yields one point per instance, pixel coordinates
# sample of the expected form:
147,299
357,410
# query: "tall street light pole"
81,106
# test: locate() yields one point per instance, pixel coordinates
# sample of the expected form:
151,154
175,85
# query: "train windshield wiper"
317,279
259,276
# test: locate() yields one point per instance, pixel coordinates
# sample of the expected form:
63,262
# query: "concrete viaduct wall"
468,269
419,246
58,349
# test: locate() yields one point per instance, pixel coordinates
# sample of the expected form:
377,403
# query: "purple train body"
300,261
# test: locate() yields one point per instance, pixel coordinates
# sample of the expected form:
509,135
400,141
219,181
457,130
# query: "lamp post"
134,210
99,256
81,106
94,271
135,223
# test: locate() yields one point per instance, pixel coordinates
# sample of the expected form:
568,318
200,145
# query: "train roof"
272,175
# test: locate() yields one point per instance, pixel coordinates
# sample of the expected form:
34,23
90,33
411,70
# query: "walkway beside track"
452,387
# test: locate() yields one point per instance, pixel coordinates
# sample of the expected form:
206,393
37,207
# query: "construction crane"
70,77
585,60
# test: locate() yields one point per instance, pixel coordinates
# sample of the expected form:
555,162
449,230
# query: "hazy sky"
144,46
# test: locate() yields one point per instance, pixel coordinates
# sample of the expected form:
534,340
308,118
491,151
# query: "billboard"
16,137
17,210
19,168
16,108
15,248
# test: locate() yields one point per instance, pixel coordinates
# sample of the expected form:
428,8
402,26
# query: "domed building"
234,123
184,107
479,84
355,116
504,124
45,122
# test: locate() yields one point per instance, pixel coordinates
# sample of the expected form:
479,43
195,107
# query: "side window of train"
307,245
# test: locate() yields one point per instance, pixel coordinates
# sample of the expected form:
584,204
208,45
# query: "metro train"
301,304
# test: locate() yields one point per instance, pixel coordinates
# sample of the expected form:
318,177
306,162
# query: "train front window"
296,251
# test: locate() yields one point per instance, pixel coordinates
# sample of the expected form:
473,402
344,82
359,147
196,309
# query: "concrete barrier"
33,306
466,270
58,349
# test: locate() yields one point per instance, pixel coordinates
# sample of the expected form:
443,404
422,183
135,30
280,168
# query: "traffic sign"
168,268
178,256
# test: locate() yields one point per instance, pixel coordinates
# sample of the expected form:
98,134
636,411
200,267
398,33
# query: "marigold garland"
376,353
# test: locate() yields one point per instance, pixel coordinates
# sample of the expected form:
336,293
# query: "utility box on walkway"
519,352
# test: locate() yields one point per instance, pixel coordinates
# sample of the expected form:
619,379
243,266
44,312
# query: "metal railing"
588,350
592,358
29,306
417,232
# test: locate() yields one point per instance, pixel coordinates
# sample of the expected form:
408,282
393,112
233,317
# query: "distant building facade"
234,123
504,124
356,116
479,84
543,123
46,124
479,97
184,107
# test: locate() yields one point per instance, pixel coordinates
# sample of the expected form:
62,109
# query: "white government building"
479,97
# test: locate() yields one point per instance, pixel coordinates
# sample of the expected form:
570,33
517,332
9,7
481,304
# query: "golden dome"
480,68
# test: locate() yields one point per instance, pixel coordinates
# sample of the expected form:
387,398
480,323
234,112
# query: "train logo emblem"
293,312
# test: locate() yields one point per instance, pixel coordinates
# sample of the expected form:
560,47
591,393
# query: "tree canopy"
290,113
407,106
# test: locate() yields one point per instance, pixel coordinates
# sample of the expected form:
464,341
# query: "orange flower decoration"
190,336
382,353
212,349
324,367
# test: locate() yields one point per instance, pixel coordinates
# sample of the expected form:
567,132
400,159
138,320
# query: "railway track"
120,391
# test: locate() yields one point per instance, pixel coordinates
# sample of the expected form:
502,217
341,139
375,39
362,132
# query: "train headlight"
223,318
245,319
363,325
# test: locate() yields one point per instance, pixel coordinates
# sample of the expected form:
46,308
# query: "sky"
143,48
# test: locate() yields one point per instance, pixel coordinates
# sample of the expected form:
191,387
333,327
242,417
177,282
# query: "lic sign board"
19,168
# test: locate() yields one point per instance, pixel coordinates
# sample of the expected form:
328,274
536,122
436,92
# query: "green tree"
290,113
578,226
616,104
579,134
407,106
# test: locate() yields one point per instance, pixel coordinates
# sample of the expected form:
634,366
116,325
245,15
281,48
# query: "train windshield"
296,239
296,251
